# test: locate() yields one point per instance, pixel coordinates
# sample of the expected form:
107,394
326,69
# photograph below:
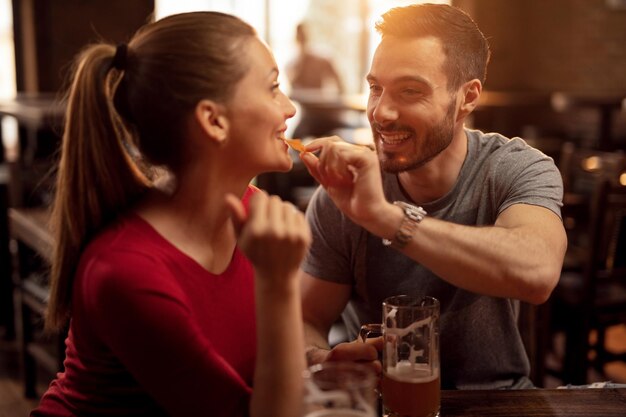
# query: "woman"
161,283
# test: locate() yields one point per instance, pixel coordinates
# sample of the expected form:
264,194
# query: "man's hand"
351,176
355,351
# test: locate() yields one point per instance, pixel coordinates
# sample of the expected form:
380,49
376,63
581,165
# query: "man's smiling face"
410,110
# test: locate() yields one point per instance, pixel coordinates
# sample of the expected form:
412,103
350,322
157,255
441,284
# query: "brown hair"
467,50
132,109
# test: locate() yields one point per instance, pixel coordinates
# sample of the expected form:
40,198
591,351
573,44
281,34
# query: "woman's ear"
210,116
471,93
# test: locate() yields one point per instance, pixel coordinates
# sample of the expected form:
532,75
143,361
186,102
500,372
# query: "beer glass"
339,389
411,383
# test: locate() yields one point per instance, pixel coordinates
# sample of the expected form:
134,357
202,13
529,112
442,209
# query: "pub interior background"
557,79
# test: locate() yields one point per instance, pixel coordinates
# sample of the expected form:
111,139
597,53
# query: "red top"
153,333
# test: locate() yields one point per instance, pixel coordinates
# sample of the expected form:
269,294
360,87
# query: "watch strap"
413,215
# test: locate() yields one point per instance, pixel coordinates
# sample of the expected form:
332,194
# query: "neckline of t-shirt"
434,206
135,220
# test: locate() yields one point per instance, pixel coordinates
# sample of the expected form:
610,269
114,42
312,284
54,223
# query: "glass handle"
370,330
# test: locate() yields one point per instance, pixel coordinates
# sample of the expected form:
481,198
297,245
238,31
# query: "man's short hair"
466,48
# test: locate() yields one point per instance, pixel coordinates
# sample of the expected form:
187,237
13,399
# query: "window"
342,30
7,56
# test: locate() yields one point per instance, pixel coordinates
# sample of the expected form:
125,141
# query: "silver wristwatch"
412,216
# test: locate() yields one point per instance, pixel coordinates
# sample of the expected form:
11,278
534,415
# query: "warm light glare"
164,8
591,164
9,131
363,136
622,179
7,54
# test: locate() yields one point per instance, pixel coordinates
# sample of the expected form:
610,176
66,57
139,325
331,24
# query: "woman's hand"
274,235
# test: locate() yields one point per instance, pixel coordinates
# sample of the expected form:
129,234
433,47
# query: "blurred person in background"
314,82
310,70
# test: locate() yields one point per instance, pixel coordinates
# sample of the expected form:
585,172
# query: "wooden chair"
29,230
582,169
595,297
533,324
7,319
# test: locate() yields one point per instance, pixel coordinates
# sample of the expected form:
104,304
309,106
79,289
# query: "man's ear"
470,94
211,118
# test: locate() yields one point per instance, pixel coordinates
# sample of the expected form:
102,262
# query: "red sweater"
153,333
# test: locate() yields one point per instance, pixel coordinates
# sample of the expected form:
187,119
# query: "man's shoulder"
494,140
321,208
502,147
322,213
320,200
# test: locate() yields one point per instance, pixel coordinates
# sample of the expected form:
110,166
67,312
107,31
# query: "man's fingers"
365,353
355,352
377,342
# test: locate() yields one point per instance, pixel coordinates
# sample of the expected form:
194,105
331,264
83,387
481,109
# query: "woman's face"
258,112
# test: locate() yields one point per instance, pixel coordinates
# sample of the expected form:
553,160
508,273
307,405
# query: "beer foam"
403,331
406,372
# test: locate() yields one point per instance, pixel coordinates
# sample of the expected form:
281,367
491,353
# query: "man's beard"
433,144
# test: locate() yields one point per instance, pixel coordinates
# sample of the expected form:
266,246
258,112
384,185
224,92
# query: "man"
313,79
476,221
310,70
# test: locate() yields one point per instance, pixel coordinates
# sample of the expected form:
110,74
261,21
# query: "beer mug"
339,389
411,384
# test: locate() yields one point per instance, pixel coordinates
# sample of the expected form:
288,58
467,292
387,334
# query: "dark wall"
541,47
553,45
48,34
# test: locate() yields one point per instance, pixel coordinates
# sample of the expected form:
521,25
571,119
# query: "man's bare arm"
322,304
519,257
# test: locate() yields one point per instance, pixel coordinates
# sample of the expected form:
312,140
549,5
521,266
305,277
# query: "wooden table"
590,402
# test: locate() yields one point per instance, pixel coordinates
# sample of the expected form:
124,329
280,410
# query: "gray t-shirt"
480,345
